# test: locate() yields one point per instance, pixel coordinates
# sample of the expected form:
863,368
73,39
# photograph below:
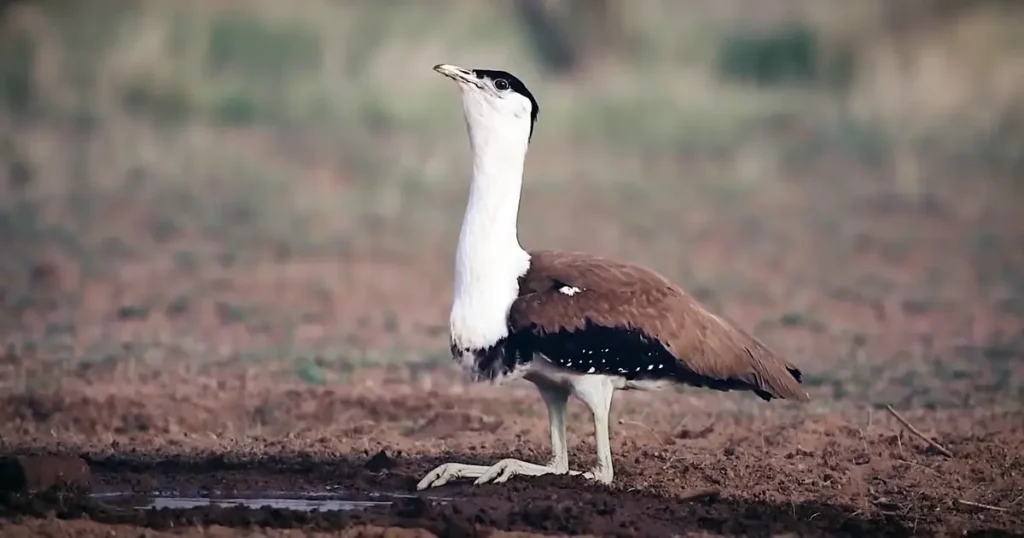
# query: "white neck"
489,260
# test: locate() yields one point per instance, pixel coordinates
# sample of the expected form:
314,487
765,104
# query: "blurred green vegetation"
361,65
251,98
360,70
17,58
788,55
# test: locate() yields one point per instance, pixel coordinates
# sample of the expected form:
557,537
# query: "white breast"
481,301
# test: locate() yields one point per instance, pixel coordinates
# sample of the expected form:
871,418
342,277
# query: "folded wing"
601,316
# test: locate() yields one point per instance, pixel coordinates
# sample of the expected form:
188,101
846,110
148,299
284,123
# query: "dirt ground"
774,472
919,307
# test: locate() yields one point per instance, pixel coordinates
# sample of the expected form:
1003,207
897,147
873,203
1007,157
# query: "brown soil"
776,469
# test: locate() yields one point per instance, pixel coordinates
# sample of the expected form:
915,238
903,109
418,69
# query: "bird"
571,323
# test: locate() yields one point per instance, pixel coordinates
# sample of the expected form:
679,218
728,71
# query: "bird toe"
497,473
440,476
599,475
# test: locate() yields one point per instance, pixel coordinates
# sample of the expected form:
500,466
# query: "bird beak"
458,74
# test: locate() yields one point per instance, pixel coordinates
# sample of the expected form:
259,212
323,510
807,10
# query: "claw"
599,475
498,473
503,470
442,474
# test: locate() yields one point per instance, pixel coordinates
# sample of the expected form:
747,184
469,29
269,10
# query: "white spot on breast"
570,290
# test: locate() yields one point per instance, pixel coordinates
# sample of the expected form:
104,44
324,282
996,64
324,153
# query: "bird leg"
596,392
555,399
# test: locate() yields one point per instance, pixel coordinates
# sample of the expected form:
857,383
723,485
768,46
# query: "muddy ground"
776,471
247,375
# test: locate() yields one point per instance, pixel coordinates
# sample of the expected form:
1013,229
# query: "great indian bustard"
571,323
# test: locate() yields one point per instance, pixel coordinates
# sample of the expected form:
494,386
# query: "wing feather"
710,350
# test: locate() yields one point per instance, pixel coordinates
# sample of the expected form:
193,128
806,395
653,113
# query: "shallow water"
307,505
307,501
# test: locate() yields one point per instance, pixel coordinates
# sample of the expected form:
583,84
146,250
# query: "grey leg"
596,392
555,399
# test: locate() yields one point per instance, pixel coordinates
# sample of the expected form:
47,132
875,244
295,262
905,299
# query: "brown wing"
595,311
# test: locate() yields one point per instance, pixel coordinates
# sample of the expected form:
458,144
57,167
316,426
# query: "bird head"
493,101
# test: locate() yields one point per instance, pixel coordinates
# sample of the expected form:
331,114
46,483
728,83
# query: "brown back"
618,294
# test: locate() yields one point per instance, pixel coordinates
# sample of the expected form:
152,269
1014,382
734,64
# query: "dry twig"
918,433
985,506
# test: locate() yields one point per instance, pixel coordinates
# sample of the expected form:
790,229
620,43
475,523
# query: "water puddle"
306,505
303,501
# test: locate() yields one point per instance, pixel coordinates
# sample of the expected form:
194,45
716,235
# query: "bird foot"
496,474
599,474
596,474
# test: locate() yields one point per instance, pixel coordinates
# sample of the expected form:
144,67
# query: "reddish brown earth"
293,372
781,470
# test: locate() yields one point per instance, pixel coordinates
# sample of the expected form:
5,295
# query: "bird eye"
501,84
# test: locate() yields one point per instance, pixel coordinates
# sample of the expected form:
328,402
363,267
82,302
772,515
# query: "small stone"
379,462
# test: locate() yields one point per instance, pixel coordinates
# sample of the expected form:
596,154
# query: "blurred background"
280,185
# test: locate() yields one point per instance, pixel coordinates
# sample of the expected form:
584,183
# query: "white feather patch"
570,290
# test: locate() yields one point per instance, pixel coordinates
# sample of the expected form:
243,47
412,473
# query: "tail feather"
736,359
775,378
753,368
